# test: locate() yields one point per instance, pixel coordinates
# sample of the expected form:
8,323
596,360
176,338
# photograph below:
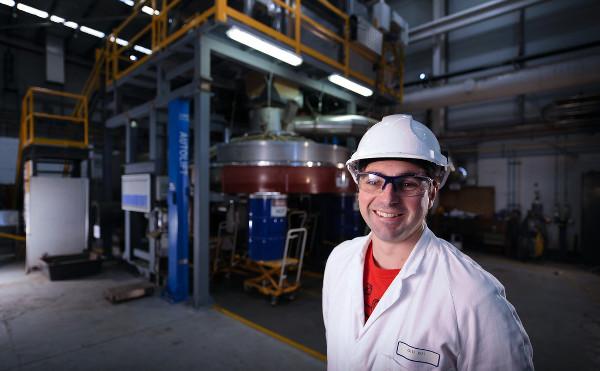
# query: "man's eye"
409,185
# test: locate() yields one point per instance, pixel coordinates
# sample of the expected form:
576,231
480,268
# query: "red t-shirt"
375,281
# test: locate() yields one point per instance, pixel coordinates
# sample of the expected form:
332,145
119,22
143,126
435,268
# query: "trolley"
273,278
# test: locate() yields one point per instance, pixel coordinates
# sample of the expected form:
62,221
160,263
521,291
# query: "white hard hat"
398,137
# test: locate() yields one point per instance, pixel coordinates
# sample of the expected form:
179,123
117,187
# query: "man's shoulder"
345,251
464,275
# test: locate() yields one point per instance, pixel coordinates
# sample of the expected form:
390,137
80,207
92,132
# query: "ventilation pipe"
332,125
527,80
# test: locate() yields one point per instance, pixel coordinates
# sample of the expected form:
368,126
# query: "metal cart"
273,278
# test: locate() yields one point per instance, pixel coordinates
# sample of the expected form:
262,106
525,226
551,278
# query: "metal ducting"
333,125
527,80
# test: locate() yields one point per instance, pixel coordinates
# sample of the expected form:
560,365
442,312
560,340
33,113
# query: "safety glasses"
409,185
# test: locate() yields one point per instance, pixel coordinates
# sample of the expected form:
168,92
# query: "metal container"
267,226
347,221
283,166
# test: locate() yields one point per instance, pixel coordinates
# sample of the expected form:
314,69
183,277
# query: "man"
401,298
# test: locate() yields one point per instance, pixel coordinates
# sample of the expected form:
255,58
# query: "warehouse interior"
172,173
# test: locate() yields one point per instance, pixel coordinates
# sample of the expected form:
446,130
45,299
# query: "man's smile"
386,215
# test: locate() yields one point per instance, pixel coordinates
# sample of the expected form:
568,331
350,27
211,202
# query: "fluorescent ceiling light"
128,2
32,10
350,85
119,41
57,19
141,49
7,2
92,32
70,24
263,46
146,9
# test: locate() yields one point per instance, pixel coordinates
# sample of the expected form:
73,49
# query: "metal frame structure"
191,48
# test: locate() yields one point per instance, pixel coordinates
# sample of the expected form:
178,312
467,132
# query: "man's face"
394,218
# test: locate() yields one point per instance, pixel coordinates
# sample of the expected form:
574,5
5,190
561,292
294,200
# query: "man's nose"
389,193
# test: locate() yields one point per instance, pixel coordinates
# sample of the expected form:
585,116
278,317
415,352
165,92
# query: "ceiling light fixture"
91,31
7,2
64,22
119,41
141,49
70,24
57,19
350,85
32,10
254,42
146,9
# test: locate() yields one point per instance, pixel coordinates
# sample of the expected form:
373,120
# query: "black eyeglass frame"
392,179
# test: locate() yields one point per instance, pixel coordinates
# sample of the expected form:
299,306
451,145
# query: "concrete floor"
69,325
58,325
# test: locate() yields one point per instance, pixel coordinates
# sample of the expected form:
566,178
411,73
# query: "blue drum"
267,226
346,217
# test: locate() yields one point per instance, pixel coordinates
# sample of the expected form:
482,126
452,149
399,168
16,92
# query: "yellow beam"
12,236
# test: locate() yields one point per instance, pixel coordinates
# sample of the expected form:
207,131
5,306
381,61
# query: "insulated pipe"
333,125
527,80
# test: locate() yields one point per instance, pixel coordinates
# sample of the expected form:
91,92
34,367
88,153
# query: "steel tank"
267,225
286,165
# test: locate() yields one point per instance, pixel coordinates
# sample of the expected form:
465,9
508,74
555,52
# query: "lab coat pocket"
385,362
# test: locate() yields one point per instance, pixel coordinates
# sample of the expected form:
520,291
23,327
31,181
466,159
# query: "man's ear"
432,195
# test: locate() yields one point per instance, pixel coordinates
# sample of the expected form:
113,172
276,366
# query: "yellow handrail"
108,60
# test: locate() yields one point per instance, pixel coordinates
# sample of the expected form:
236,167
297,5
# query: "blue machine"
179,128
267,226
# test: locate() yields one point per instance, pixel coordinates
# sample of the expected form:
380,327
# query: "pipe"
333,125
527,80
467,17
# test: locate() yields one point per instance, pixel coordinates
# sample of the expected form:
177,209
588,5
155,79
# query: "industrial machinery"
272,140
286,180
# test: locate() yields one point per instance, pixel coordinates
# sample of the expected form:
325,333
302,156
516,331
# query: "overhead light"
7,2
146,9
128,2
266,47
350,85
119,41
70,24
91,31
57,19
133,57
422,76
32,10
141,49
64,22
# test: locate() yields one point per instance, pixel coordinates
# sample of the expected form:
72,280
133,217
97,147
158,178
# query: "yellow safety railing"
68,130
29,118
116,64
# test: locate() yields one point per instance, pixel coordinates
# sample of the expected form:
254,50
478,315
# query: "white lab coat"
442,312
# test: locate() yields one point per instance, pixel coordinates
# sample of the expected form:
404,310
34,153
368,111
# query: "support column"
178,285
438,115
201,124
